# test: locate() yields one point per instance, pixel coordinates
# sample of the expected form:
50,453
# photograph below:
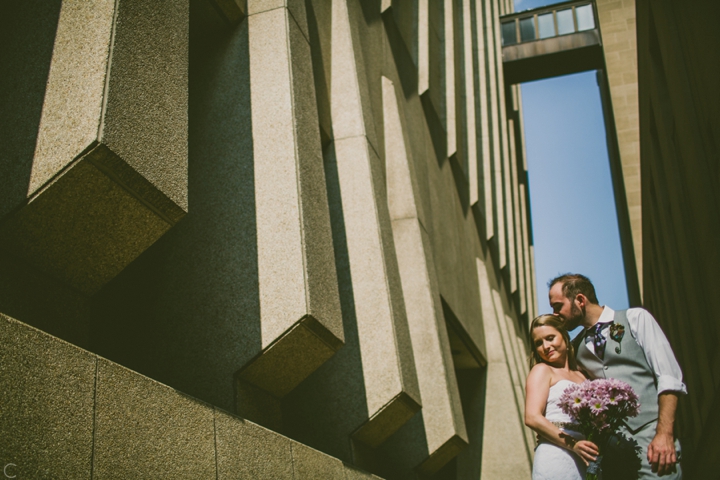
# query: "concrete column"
390,382
301,323
470,104
484,135
108,175
507,176
450,65
506,452
444,425
617,26
519,243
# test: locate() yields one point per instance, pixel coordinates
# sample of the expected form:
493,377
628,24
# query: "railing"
547,22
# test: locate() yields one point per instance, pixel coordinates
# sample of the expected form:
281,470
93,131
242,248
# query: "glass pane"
546,25
527,29
585,18
565,22
509,36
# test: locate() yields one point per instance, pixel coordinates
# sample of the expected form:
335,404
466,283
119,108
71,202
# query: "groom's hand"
661,454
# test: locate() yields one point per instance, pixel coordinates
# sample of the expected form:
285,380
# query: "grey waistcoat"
630,366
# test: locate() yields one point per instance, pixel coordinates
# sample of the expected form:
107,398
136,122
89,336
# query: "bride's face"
550,345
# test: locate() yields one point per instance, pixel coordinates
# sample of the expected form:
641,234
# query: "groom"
629,346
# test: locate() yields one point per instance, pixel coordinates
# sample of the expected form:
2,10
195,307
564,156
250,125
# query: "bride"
561,453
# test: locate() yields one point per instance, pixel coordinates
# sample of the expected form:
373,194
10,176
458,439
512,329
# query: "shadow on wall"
27,31
186,312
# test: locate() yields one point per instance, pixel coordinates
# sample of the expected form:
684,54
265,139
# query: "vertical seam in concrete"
94,420
292,460
217,469
106,90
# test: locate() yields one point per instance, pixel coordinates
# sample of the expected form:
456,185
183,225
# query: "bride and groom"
643,359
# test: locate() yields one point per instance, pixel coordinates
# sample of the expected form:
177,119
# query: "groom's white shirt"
658,353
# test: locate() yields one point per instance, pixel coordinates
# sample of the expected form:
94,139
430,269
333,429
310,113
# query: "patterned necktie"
599,339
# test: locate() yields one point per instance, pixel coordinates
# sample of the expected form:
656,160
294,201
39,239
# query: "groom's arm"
661,451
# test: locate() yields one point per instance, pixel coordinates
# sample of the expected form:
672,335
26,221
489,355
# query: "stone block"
111,148
292,357
301,324
46,404
246,450
144,429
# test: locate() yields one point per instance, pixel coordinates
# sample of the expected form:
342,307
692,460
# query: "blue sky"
571,199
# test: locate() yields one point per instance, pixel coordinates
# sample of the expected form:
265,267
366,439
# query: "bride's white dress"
553,462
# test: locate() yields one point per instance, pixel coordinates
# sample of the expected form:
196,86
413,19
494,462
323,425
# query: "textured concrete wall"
354,270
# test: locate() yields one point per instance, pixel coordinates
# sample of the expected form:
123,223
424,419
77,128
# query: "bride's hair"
555,322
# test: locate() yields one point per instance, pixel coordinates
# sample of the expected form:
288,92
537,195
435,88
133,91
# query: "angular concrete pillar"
507,444
444,425
496,140
450,66
109,172
390,382
484,134
301,324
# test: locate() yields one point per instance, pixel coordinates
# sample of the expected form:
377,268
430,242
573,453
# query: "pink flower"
599,406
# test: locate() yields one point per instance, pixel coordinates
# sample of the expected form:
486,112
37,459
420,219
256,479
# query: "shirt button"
605,367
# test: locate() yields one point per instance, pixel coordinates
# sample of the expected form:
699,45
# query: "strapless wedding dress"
553,462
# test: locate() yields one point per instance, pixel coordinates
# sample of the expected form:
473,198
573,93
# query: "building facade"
286,239
678,68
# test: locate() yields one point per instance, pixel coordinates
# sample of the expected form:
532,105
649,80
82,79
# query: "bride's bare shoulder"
541,371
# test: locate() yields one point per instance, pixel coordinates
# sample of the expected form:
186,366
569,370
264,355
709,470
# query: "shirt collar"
607,315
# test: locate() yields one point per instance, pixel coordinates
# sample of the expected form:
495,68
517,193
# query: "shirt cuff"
666,383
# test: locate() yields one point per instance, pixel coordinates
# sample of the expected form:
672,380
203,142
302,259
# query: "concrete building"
679,67
286,239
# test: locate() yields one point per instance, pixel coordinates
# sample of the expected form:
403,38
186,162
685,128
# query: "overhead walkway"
550,41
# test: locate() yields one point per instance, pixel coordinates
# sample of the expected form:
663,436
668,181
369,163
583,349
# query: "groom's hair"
574,283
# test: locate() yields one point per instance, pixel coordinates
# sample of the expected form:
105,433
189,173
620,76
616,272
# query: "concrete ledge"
67,413
47,390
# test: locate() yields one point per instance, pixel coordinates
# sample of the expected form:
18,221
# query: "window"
565,22
527,29
509,36
546,25
585,18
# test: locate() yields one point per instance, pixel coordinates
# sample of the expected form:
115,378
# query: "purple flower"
599,406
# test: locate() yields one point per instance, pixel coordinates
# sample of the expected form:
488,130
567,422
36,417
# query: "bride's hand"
587,451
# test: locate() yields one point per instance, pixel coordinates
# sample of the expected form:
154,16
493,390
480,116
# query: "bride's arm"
537,389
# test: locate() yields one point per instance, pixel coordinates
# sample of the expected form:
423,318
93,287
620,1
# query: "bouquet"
599,407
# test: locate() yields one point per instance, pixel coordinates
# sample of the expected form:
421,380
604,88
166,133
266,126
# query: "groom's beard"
577,315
